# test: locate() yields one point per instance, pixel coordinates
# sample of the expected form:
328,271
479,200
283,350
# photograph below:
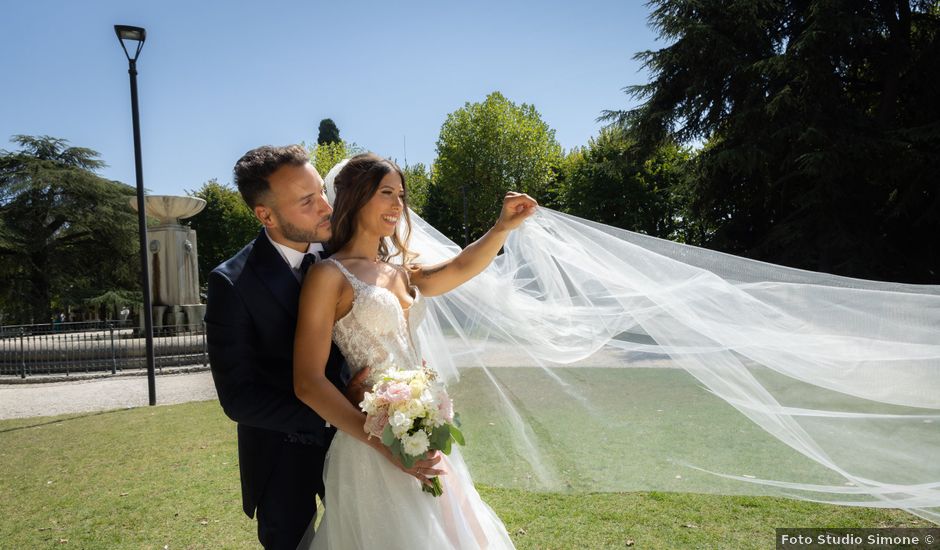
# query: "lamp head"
126,33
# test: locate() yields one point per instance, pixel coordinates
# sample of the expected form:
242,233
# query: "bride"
370,308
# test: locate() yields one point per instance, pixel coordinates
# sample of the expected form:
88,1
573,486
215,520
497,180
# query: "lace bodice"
376,332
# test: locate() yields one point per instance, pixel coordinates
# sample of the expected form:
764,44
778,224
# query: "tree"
484,150
324,157
67,236
820,123
328,132
611,182
418,182
223,227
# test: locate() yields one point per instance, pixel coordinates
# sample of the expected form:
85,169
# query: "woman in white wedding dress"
369,308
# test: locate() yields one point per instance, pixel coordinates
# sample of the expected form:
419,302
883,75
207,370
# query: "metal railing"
96,346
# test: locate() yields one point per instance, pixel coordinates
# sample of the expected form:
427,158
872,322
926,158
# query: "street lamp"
130,34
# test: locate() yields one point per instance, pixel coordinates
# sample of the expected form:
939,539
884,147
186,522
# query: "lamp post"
126,34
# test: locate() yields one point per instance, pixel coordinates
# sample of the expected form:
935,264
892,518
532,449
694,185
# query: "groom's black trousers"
288,504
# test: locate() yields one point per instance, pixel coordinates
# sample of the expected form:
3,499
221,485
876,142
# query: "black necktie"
309,259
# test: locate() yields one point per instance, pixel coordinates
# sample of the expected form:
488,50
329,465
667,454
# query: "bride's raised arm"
439,278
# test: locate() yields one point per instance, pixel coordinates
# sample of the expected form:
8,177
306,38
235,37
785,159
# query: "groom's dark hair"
255,166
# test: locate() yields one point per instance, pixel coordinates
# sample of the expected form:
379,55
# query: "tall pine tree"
328,132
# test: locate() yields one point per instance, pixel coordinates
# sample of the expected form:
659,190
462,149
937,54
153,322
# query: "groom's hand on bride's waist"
357,387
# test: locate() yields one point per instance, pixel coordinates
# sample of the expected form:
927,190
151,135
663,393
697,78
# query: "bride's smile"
381,214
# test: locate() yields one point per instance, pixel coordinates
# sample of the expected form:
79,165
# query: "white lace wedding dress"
369,503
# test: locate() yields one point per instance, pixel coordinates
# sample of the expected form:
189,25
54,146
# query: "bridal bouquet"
412,414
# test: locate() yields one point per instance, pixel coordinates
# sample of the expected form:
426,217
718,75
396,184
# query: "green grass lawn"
634,429
167,477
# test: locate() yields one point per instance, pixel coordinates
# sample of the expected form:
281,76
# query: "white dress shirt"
292,257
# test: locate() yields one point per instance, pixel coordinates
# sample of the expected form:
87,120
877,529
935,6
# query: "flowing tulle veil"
590,358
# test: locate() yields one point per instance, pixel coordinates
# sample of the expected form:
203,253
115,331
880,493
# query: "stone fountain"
174,269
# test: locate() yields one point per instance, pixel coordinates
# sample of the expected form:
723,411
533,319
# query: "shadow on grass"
61,420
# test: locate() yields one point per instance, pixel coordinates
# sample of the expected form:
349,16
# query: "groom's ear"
264,215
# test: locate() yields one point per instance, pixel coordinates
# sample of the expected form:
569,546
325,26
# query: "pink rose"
375,423
395,392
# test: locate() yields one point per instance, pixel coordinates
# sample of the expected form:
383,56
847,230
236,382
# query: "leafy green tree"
67,236
418,182
611,182
821,128
223,227
328,132
484,150
326,156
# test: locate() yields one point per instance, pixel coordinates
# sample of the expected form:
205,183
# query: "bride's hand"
423,470
516,208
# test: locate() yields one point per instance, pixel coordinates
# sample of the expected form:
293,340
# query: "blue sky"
217,78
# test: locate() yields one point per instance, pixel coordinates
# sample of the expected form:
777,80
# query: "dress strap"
353,280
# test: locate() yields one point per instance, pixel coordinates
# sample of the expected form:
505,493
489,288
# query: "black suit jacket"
251,316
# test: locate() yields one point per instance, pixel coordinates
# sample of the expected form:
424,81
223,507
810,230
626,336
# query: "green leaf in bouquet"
407,460
388,436
446,449
399,452
439,437
457,434
457,420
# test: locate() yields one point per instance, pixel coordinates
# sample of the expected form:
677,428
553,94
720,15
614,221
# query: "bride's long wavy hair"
355,185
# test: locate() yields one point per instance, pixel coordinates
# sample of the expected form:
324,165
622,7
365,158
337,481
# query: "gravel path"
18,400
77,396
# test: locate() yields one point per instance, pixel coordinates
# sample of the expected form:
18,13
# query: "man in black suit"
251,316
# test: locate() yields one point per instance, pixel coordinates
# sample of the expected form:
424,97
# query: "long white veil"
590,358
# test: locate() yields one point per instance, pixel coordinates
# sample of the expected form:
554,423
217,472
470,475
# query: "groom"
251,316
